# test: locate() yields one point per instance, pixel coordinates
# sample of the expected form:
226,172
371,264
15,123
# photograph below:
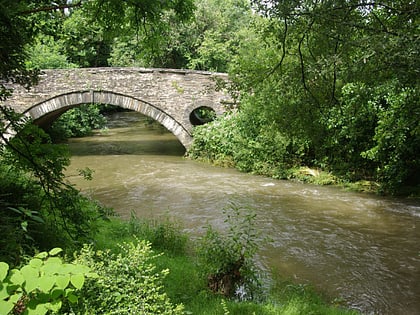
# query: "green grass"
187,285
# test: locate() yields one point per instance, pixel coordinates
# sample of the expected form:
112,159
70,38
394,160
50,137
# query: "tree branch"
283,55
302,64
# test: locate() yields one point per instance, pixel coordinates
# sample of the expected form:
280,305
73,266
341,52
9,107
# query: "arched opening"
46,112
202,115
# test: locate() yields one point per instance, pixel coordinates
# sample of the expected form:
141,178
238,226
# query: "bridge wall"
166,95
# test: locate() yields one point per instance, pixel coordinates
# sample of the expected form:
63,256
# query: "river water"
361,248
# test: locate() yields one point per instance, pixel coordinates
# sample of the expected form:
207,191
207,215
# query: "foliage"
216,33
226,259
35,188
163,234
14,35
397,139
215,141
207,41
42,285
78,122
327,76
46,53
84,41
283,298
232,141
128,282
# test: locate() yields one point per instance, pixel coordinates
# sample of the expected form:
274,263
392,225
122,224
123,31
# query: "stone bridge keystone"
169,96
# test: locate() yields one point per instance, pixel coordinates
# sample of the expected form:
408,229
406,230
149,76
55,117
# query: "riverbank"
186,285
313,176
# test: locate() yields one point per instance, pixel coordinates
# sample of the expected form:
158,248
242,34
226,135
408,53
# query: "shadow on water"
155,146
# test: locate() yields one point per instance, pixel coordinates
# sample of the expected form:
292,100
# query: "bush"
233,141
78,122
128,282
396,147
216,141
226,260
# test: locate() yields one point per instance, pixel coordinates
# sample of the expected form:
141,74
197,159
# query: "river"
362,248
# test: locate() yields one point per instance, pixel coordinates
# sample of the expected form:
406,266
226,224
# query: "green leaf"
77,280
62,281
16,277
56,293
54,306
3,292
35,263
53,260
6,307
4,268
52,268
46,283
72,298
15,297
80,269
42,255
40,309
31,276
24,226
55,251
92,275
29,272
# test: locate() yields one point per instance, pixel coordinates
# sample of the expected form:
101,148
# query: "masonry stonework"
167,95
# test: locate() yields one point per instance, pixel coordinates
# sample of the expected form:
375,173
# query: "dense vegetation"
327,85
332,85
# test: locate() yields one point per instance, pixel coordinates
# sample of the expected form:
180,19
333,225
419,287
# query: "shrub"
227,259
78,122
128,282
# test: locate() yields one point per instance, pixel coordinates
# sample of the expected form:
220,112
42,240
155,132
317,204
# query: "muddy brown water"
361,248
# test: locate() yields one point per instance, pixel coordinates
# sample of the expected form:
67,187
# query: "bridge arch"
46,112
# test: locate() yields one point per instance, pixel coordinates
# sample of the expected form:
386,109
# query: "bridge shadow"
156,146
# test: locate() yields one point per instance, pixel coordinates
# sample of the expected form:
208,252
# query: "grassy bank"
185,283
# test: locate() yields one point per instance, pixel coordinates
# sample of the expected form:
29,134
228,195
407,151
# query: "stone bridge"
169,96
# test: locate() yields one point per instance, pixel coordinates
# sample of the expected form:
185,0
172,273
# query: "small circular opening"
202,115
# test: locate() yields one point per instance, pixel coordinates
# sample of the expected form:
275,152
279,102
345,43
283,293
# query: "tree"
340,70
207,41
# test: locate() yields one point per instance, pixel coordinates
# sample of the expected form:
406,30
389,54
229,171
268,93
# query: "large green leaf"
6,307
77,280
31,276
16,277
53,266
62,281
55,251
35,263
46,283
42,255
39,309
4,268
3,292
71,297
29,272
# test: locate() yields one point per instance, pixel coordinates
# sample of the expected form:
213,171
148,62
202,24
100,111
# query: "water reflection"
362,248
